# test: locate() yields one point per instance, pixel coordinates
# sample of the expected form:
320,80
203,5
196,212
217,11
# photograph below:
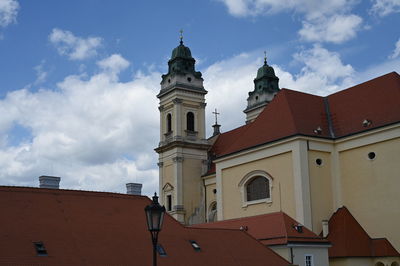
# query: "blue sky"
79,78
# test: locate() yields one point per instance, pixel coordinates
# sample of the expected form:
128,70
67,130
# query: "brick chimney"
49,181
134,188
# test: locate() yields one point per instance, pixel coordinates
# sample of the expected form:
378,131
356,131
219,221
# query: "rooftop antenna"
181,36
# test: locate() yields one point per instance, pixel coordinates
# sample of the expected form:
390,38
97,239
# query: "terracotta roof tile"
349,239
94,228
295,113
271,229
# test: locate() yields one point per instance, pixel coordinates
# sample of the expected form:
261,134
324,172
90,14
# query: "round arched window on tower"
190,121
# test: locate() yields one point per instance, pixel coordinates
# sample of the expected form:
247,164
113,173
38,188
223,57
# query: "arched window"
212,212
169,123
394,263
257,188
190,121
379,264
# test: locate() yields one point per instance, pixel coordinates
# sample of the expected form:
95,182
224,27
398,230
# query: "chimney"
49,181
134,188
325,228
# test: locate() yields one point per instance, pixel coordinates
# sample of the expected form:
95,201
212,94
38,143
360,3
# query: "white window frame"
311,256
243,185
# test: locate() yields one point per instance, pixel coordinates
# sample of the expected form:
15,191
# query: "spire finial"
265,58
181,36
216,116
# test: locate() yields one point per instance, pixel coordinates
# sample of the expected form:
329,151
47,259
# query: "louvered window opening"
258,188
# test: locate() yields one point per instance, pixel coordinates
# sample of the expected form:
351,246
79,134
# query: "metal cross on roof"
216,116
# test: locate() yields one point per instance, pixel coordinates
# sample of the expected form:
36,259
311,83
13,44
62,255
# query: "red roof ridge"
70,191
350,239
384,76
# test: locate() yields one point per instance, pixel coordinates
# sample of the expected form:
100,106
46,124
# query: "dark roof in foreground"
293,113
271,229
96,228
349,239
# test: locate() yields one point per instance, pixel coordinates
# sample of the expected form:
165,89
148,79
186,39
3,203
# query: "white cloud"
41,74
95,132
335,29
396,51
385,7
322,21
76,48
322,73
8,12
114,64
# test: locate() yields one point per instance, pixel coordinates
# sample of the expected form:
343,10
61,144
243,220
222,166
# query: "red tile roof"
349,239
271,229
340,114
95,228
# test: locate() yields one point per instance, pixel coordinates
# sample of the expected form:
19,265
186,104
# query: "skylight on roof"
40,249
195,246
161,250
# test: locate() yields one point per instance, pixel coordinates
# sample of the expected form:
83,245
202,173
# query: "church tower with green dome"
266,86
183,145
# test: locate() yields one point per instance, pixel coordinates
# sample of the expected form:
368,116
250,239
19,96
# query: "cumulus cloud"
396,51
322,21
335,29
322,72
96,132
75,48
385,7
8,12
41,74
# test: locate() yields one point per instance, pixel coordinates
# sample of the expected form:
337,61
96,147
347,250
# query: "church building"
297,153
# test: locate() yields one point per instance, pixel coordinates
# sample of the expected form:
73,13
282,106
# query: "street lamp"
155,216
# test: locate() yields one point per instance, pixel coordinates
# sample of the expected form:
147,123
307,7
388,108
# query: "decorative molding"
161,108
177,159
203,105
178,208
177,101
168,187
160,164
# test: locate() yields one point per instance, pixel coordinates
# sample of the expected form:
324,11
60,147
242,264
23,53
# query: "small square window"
40,248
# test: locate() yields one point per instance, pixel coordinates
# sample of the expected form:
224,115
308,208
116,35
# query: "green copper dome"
182,62
265,71
181,51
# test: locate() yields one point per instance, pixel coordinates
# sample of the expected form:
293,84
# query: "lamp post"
154,216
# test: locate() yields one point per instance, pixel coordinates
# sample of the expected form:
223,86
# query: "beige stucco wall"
370,188
320,188
320,255
386,261
192,186
210,196
282,251
279,167
351,262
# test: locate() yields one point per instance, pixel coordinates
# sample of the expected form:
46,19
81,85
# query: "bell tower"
183,147
266,86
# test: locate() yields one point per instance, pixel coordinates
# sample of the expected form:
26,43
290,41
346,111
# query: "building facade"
298,153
